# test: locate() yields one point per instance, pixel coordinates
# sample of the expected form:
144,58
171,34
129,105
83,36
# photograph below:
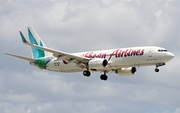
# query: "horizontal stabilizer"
21,57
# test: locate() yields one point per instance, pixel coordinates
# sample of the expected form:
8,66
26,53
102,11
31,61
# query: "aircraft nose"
170,55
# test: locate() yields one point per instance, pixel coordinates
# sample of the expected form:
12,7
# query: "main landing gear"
102,77
86,73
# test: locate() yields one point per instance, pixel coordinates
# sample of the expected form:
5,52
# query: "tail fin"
35,39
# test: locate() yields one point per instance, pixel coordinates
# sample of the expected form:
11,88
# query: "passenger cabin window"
162,50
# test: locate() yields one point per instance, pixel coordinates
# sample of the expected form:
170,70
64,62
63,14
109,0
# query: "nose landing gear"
156,70
158,65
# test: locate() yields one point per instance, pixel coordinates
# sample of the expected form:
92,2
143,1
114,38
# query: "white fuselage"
122,61
117,58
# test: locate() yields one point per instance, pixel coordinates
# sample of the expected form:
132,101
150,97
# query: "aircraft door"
150,53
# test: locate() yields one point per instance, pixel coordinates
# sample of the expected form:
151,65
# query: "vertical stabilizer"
35,39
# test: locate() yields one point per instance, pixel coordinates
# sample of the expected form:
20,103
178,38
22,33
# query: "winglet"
22,37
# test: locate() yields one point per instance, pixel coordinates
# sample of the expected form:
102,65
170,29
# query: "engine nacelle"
97,63
126,71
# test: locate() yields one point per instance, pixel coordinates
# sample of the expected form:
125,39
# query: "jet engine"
126,71
97,63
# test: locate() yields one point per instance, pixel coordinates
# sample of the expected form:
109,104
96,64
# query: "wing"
67,57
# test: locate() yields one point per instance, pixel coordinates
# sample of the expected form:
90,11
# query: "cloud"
77,25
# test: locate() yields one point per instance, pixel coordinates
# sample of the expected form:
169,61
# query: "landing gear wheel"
156,70
103,77
86,73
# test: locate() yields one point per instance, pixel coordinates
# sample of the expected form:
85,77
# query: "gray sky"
82,25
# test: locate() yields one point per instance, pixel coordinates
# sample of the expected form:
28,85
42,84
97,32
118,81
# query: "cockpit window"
162,50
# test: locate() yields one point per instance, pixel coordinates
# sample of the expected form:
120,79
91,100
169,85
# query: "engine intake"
126,71
98,63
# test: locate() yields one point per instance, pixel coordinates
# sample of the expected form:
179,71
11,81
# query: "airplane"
122,61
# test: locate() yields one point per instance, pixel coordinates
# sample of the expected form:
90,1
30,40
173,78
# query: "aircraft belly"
128,61
61,67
